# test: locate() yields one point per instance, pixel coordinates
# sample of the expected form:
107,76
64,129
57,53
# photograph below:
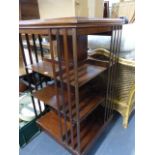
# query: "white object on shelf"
26,110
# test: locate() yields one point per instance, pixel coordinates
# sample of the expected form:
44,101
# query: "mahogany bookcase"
79,109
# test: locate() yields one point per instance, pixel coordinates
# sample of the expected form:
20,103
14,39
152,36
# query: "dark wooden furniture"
28,9
79,110
106,9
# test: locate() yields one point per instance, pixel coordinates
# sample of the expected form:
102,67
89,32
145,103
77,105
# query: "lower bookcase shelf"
50,123
90,129
87,104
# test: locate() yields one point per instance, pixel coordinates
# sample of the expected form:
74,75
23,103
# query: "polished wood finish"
88,100
49,122
71,22
82,48
75,96
43,67
48,96
86,72
90,127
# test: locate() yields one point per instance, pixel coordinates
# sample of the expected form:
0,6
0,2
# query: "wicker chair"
124,85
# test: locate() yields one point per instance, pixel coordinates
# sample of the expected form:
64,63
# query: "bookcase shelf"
50,123
89,128
86,72
88,102
42,67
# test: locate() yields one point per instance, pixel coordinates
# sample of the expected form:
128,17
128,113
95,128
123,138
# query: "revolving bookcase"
79,109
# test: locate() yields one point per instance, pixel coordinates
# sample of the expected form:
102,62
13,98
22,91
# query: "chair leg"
125,121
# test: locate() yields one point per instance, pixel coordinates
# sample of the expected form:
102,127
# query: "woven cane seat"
123,85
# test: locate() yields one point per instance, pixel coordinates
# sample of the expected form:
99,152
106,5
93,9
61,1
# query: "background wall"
81,7
66,8
56,8
95,8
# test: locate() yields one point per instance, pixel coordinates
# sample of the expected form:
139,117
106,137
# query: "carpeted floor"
114,141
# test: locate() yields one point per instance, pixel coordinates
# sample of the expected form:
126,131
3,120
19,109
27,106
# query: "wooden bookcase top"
71,22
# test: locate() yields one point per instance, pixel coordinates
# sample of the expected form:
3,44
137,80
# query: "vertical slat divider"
29,48
41,47
75,62
108,79
117,57
61,82
36,58
27,73
23,53
42,55
36,88
68,83
112,76
55,79
35,47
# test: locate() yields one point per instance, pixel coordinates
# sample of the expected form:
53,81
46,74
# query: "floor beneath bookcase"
114,141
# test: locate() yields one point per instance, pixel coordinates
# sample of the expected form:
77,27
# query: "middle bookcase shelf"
86,72
87,104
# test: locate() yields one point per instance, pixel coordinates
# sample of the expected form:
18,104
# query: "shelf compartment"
86,106
35,79
91,128
43,67
86,72
87,102
50,123
48,96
